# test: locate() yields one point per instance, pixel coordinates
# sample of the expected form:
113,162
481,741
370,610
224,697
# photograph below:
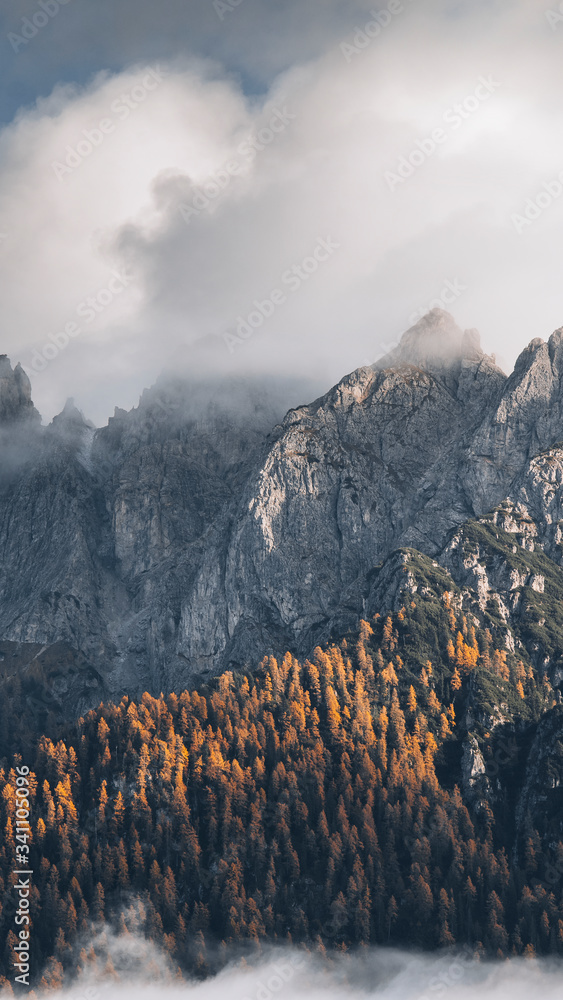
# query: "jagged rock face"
348,479
205,528
55,578
527,420
371,466
15,394
102,533
476,785
19,421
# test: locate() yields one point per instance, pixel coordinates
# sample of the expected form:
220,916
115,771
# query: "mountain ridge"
198,532
355,608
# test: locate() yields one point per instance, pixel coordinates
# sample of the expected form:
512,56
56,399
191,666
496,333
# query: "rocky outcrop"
15,395
476,785
369,467
527,420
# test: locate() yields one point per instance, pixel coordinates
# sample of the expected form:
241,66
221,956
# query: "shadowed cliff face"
19,420
214,524
15,395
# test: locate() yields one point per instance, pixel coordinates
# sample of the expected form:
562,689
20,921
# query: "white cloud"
322,175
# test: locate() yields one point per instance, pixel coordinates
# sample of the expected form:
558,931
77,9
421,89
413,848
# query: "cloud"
353,118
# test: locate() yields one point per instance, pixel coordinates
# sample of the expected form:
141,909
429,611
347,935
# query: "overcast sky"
194,169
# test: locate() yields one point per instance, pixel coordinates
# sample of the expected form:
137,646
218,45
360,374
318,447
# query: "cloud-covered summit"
159,199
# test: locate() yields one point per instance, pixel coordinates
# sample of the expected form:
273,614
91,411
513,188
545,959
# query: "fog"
137,970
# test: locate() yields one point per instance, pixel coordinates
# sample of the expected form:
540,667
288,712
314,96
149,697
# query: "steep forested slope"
377,792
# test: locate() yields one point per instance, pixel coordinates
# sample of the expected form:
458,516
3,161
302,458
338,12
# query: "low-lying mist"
127,967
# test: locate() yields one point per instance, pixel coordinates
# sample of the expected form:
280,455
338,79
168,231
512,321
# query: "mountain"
212,525
365,796
355,608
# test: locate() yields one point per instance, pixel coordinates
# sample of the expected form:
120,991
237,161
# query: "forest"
321,803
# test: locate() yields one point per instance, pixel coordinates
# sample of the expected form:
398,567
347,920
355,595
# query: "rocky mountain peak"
556,345
538,367
70,426
435,343
71,416
15,394
211,528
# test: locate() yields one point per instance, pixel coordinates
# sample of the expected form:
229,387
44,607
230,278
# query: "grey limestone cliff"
214,524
